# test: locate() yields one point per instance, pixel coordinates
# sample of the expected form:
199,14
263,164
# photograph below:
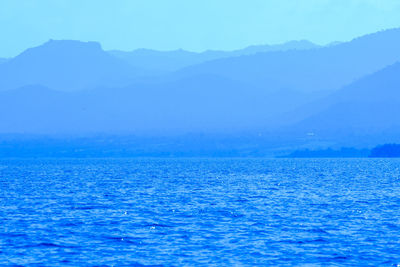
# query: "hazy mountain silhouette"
174,60
2,60
65,65
326,68
264,91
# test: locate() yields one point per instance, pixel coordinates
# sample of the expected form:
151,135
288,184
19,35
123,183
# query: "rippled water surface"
200,212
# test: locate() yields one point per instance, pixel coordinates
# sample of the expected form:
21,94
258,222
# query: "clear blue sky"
189,24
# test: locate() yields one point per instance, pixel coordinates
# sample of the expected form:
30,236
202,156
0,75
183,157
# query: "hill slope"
196,104
370,106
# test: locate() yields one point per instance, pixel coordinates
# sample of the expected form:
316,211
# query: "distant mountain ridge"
326,68
174,60
66,65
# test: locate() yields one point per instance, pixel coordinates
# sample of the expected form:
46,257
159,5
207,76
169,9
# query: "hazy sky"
189,24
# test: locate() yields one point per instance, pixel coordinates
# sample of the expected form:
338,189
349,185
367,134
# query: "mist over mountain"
333,43
2,60
202,104
174,60
327,68
300,95
66,65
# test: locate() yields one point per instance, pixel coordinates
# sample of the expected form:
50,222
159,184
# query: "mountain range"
296,94
175,60
326,68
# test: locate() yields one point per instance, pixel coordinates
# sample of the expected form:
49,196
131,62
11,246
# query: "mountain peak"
65,65
64,47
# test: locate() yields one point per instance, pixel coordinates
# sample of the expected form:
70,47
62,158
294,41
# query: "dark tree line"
386,151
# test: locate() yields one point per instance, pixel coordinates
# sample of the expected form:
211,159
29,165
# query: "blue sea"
200,212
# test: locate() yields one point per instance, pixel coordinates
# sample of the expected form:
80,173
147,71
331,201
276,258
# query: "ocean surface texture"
174,212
